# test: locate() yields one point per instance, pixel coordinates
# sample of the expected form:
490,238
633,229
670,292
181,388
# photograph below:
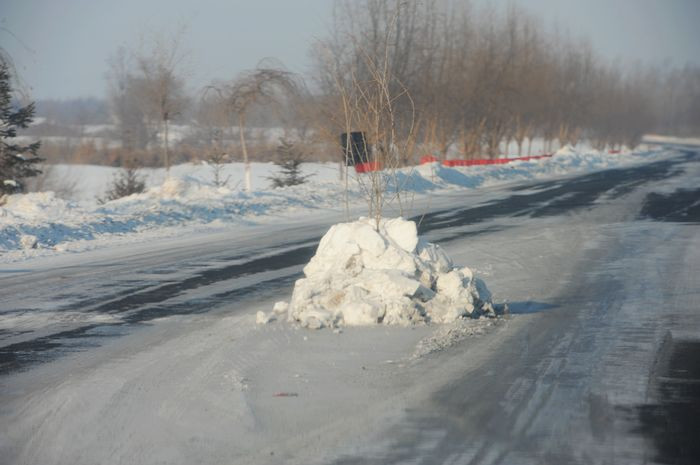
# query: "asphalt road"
143,285
609,371
633,315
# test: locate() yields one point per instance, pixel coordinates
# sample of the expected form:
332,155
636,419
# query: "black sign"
359,151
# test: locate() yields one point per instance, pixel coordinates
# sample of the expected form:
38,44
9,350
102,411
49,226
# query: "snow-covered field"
38,224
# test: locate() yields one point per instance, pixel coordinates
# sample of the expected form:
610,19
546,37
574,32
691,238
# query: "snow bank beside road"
191,200
364,275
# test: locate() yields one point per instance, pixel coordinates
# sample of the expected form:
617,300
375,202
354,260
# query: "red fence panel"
367,167
482,161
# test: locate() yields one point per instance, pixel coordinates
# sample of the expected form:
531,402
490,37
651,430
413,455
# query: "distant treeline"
469,80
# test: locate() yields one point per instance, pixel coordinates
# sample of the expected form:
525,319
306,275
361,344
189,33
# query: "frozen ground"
149,352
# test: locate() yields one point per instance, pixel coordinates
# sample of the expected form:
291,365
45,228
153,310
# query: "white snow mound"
43,206
362,275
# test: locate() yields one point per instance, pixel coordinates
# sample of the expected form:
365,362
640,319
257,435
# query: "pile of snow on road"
366,275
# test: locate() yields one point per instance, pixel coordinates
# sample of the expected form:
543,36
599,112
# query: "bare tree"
261,85
125,92
162,86
373,99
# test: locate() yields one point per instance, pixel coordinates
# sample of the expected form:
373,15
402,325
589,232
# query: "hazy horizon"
61,49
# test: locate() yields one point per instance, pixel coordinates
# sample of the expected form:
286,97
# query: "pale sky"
60,47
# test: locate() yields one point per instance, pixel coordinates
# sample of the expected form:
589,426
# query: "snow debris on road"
364,274
450,334
263,318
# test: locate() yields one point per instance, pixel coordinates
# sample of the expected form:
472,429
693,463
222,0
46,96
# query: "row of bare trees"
147,92
429,77
481,79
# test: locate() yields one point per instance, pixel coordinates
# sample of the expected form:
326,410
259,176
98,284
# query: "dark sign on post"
359,150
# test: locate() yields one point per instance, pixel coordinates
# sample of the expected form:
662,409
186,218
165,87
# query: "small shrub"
125,183
217,160
289,159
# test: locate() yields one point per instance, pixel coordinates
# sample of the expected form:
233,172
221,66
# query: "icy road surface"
149,353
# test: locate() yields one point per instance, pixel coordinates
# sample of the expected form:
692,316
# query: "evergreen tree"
125,183
289,160
17,162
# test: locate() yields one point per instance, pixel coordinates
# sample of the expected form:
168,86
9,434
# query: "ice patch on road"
367,274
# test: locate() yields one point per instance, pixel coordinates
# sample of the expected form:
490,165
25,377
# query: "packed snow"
43,223
380,272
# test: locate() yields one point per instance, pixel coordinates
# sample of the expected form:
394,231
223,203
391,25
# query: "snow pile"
362,275
174,187
567,150
187,187
174,191
27,241
44,206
